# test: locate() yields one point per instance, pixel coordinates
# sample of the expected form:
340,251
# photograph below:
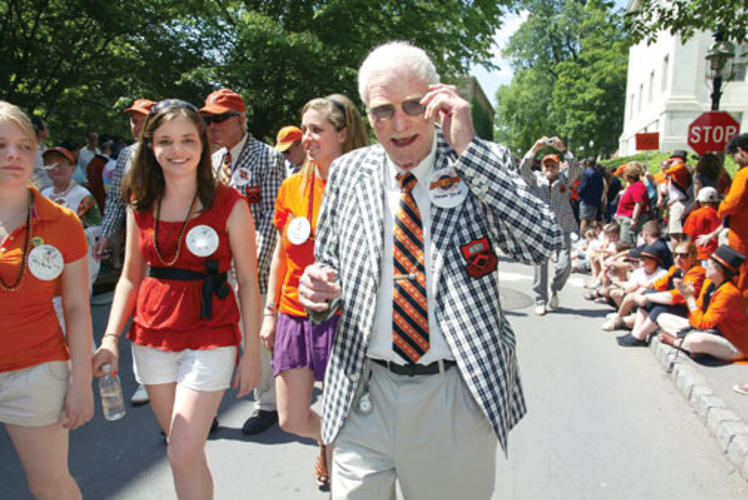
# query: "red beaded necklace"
18,283
181,232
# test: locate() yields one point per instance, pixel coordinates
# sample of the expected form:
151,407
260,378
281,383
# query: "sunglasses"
411,107
171,103
683,255
208,119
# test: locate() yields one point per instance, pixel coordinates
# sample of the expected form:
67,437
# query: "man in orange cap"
288,143
114,207
256,170
553,187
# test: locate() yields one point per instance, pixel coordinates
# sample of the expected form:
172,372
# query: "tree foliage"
685,17
79,62
570,60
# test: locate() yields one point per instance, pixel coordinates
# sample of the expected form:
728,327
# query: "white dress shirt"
380,343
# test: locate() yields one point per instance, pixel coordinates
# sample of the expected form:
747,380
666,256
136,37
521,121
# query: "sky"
491,80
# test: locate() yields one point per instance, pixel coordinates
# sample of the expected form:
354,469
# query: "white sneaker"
140,396
540,310
611,315
612,323
553,304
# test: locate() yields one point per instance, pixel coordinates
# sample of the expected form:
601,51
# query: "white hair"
393,56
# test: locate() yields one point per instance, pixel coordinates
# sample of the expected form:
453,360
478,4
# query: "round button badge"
45,262
240,177
298,230
447,189
202,240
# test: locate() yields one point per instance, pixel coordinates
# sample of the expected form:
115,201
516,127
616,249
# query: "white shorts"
200,370
34,396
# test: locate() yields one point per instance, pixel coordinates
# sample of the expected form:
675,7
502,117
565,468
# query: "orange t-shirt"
292,202
31,333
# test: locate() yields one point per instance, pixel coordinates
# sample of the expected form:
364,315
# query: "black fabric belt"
414,369
213,283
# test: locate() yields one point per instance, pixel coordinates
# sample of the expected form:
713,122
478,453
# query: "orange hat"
223,101
619,170
550,158
61,151
287,136
680,174
142,106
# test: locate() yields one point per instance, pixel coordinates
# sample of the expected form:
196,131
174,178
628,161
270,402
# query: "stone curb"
728,429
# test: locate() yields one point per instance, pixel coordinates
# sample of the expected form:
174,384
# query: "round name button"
45,262
202,240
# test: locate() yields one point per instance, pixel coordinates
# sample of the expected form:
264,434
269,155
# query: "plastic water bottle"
111,395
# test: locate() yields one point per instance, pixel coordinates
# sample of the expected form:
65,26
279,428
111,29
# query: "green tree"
570,61
685,17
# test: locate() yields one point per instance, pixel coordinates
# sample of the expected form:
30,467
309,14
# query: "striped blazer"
499,213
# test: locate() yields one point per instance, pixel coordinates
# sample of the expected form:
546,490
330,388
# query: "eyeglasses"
208,119
171,103
683,255
411,107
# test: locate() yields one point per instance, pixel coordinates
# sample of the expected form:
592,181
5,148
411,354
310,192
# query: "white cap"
707,195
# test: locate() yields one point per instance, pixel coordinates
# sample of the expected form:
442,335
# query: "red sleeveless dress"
168,311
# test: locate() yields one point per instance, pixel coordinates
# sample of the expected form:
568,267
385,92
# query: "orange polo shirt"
30,333
703,220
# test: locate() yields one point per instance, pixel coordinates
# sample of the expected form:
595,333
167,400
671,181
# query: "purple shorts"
300,344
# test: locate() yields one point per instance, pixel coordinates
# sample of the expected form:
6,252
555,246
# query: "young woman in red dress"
183,231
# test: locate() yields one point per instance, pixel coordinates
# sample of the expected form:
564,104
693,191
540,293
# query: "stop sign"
711,131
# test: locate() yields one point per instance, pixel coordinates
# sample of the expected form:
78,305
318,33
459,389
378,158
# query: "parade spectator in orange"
332,126
45,379
663,296
717,323
704,220
735,205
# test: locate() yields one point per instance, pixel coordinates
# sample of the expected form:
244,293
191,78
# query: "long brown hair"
144,183
341,113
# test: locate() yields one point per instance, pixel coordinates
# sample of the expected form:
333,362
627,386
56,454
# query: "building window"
739,63
641,96
665,68
651,86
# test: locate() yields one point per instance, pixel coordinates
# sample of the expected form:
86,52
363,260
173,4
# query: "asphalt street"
603,422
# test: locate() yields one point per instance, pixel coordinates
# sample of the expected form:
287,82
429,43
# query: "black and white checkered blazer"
499,207
266,171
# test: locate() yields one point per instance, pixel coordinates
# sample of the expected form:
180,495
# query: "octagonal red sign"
711,131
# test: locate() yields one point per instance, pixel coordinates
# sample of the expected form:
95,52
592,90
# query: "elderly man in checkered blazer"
423,376
553,186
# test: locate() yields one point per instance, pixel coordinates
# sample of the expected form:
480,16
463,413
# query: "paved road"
603,423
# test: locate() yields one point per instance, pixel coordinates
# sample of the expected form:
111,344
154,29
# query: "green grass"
657,157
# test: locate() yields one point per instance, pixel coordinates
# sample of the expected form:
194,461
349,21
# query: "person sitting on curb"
717,324
704,220
664,297
650,270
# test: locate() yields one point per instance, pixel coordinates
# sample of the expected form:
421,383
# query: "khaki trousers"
425,431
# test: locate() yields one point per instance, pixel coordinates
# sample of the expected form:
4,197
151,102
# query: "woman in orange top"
717,323
43,253
664,297
735,205
332,126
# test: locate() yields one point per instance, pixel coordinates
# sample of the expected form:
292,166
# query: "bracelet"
111,335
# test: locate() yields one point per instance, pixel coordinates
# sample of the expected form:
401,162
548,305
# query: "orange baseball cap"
223,101
287,136
553,158
680,174
61,151
142,106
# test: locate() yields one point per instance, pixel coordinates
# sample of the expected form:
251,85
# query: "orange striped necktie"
410,321
224,174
